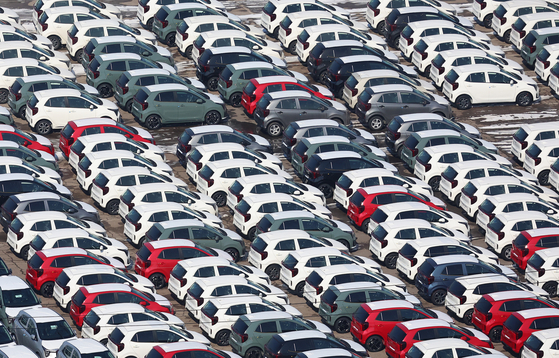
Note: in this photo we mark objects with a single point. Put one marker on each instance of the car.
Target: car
(539, 341)
(102, 320)
(523, 90)
(518, 327)
(526, 23)
(36, 158)
(6, 116)
(511, 10)
(360, 178)
(49, 329)
(540, 270)
(80, 348)
(530, 241)
(390, 236)
(148, 8)
(13, 33)
(528, 133)
(453, 347)
(534, 43)
(178, 348)
(493, 309)
(10, 15)
(81, 32)
(545, 60)
(110, 184)
(373, 321)
(17, 351)
(15, 165)
(16, 297)
(91, 296)
(29, 140)
(378, 105)
(25, 49)
(483, 11)
(44, 109)
(122, 336)
(464, 292)
(279, 343)
(176, 250)
(103, 8)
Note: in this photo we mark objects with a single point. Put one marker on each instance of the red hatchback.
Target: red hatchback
(257, 87)
(81, 127)
(372, 322)
(31, 141)
(88, 297)
(520, 325)
(366, 200)
(183, 349)
(405, 334)
(530, 241)
(493, 309)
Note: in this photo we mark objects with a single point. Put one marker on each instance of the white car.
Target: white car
(298, 265)
(104, 9)
(389, 237)
(203, 154)
(546, 59)
(11, 33)
(25, 49)
(110, 184)
(473, 84)
(189, 29)
(17, 165)
(9, 15)
(81, 348)
(452, 348)
(445, 61)
(111, 142)
(148, 8)
(251, 209)
(141, 218)
(16, 351)
(543, 341)
(73, 278)
(528, 133)
(82, 31)
(505, 227)
(17, 296)
(539, 158)
(506, 14)
(275, 10)
(95, 162)
(215, 177)
(483, 11)
(526, 23)
(53, 109)
(541, 270)
(99, 245)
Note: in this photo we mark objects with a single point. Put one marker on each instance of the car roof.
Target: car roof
(129, 328)
(547, 143)
(379, 305)
(210, 129)
(15, 44)
(291, 214)
(435, 39)
(543, 231)
(405, 223)
(424, 323)
(341, 43)
(447, 259)
(36, 196)
(171, 243)
(202, 261)
(56, 92)
(43, 314)
(181, 346)
(546, 31)
(95, 138)
(120, 56)
(507, 295)
(350, 286)
(226, 301)
(148, 71)
(271, 79)
(338, 154)
(87, 345)
(85, 269)
(284, 234)
(476, 68)
(189, 5)
(67, 9)
(386, 88)
(163, 206)
(96, 22)
(270, 197)
(441, 343)
(119, 171)
(429, 24)
(450, 147)
(118, 308)
(218, 147)
(324, 28)
(336, 269)
(38, 215)
(538, 312)
(223, 33)
(8, 283)
(461, 52)
(267, 315)
(431, 241)
(285, 94)
(546, 334)
(552, 252)
(251, 64)
(315, 251)
(260, 178)
(104, 287)
(327, 352)
(481, 182)
(143, 188)
(370, 190)
(15, 176)
(367, 172)
(419, 117)
(505, 198)
(220, 280)
(403, 206)
(39, 78)
(19, 61)
(167, 87)
(228, 49)
(106, 39)
(517, 3)
(104, 154)
(360, 58)
(368, 74)
(482, 278)
(437, 133)
(475, 164)
(326, 139)
(519, 215)
(539, 16)
(56, 234)
(552, 48)
(315, 123)
(206, 19)
(290, 336)
(308, 14)
(92, 122)
(220, 164)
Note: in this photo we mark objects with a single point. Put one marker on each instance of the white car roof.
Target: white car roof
(291, 214)
(268, 315)
(396, 207)
(368, 74)
(543, 231)
(420, 116)
(210, 129)
(328, 352)
(546, 31)
(178, 223)
(261, 178)
(441, 343)
(349, 286)
(109, 154)
(552, 252)
(507, 295)
(520, 215)
(264, 198)
(308, 14)
(316, 122)
(251, 64)
(171, 243)
(118, 308)
(182, 346)
(155, 207)
(104, 287)
(338, 154)
(15, 45)
(386, 88)
(229, 49)
(120, 56)
(222, 33)
(314, 251)
(538, 312)
(383, 188)
(67, 10)
(340, 43)
(120, 171)
(474, 280)
(545, 334)
(360, 58)
(86, 269)
(43, 314)
(327, 139)
(337, 269)
(542, 126)
(476, 68)
(130, 328)
(92, 122)
(271, 79)
(474, 164)
(424, 323)
(226, 301)
(437, 132)
(206, 19)
(40, 215)
(435, 39)
(542, 144)
(539, 16)
(284, 94)
(38, 78)
(148, 71)
(144, 188)
(506, 198)
(167, 87)
(368, 172)
(284, 234)
(38, 196)
(446, 259)
(56, 92)
(56, 234)
(289, 336)
(379, 305)
(8, 283)
(445, 148)
(414, 9)
(219, 147)
(97, 22)
(105, 39)
(231, 163)
(486, 181)
(87, 345)
(189, 5)
(551, 48)
(430, 24)
(220, 280)
(432, 241)
(204, 261)
(518, 3)
(404, 224)
(461, 51)
(324, 28)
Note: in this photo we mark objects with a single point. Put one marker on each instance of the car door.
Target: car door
(311, 108)
(80, 108)
(167, 107)
(388, 104)
(142, 342)
(503, 88)
(315, 227)
(287, 110)
(20, 330)
(191, 107)
(477, 86)
(205, 237)
(168, 258)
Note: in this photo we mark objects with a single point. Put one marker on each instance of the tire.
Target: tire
(128, 106)
(56, 42)
(43, 127)
(380, 27)
(153, 122)
(235, 99)
(251, 234)
(506, 36)
(105, 90)
(322, 77)
(47, 289)
(340, 93)
(21, 112)
(142, 242)
(158, 280)
(112, 207)
(374, 344)
(4, 93)
(495, 334)
(376, 123)
(365, 225)
(104, 341)
(78, 55)
(427, 72)
(212, 83)
(342, 325)
(438, 297)
(170, 39)
(274, 129)
(24, 252)
(457, 199)
(435, 183)
(524, 99)
(234, 253)
(275, 33)
(327, 190)
(222, 337)
(543, 177)
(345, 243)
(390, 260)
(254, 352)
(300, 288)
(188, 52)
(395, 42)
(273, 271)
(220, 198)
(551, 288)
(149, 24)
(505, 253)
(487, 20)
(292, 48)
(467, 319)
(463, 102)
(212, 117)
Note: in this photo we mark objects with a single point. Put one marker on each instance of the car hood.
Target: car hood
(233, 235)
(62, 189)
(393, 281)
(485, 253)
(161, 300)
(67, 74)
(479, 335)
(43, 41)
(167, 67)
(356, 347)
(370, 264)
(87, 207)
(407, 296)
(292, 311)
(144, 282)
(481, 36)
(109, 104)
(448, 8)
(343, 226)
(436, 201)
(223, 254)
(115, 263)
(313, 189)
(14, 311)
(256, 31)
(299, 76)
(42, 140)
(271, 158)
(278, 62)
(471, 130)
(54, 345)
(200, 338)
(337, 105)
(232, 16)
(259, 139)
(90, 89)
(488, 145)
(465, 22)
(324, 91)
(120, 245)
(148, 35)
(440, 99)
(321, 327)
(172, 319)
(163, 51)
(196, 83)
(341, 11)
(143, 133)
(428, 86)
(496, 50)
(378, 152)
(214, 98)
(508, 272)
(111, 8)
(389, 166)
(443, 316)
(367, 135)
(513, 64)
(408, 70)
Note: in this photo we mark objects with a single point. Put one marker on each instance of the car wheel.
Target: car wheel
(24, 252)
(326, 189)
(342, 325)
(21, 113)
(142, 242)
(112, 207)
(212, 117)
(56, 43)
(4, 93)
(275, 33)
(153, 122)
(376, 123)
(345, 243)
(220, 198)
(158, 280)
(551, 288)
(543, 177)
(435, 183)
(104, 341)
(128, 106)
(170, 40)
(105, 90)
(467, 319)
(78, 55)
(457, 199)
(274, 129)
(427, 72)
(300, 288)
(323, 77)
(463, 102)
(495, 334)
(374, 344)
(235, 99)
(292, 47)
(524, 99)
(254, 352)
(380, 27)
(149, 24)
(390, 260)
(395, 42)
(505, 253)
(47, 289)
(188, 52)
(273, 271)
(365, 225)
(506, 36)
(212, 83)
(340, 93)
(234, 253)
(43, 127)
(438, 297)
(222, 337)
(487, 20)
(251, 234)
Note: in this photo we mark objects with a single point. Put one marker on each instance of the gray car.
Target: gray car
(275, 111)
(15, 295)
(379, 104)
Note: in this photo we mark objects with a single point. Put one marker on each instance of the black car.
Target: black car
(288, 345)
(12, 184)
(214, 60)
(323, 170)
(324, 53)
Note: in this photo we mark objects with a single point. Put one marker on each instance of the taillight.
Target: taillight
(414, 152)
(184, 36)
(541, 272)
(265, 112)
(537, 161)
(137, 226)
(124, 89)
(120, 346)
(228, 83)
(199, 301)
(95, 74)
(410, 41)
(303, 157)
(430, 280)
(294, 271)
(305, 45)
(44, 26)
(523, 144)
(66, 290)
(483, 5)
(522, 33)
(454, 183)
(273, 17)
(96, 330)
(74, 40)
(34, 110)
(376, 12)
(348, 191)
(518, 334)
(164, 23)
(462, 299)
(367, 106)
(427, 167)
(441, 71)
(183, 282)
(244, 337)
(546, 64)
(500, 235)
(532, 49)
(81, 309)
(401, 345)
(319, 290)
(87, 173)
(503, 20)
(16, 95)
(263, 254)
(238, 196)
(423, 55)
(353, 92)
(393, 27)
(146, 8)
(454, 86)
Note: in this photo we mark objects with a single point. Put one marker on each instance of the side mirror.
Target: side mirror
(91, 107)
(442, 220)
(464, 338)
(297, 192)
(33, 337)
(326, 229)
(551, 212)
(182, 340)
(145, 53)
(425, 103)
(103, 247)
(10, 271)
(72, 210)
(406, 185)
(511, 82)
(199, 101)
(29, 159)
(256, 47)
(322, 109)
(42, 58)
(143, 303)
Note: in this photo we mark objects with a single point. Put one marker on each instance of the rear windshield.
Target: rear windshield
(304, 36)
(263, 102)
(421, 46)
(35, 262)
(73, 31)
(38, 243)
(414, 352)
(449, 173)
(10, 205)
(438, 61)
(274, 345)
(379, 216)
(240, 326)
(16, 86)
(407, 32)
(123, 80)
(153, 353)
(62, 279)
(521, 241)
(536, 261)
(289, 132)
(496, 225)
(94, 64)
(134, 216)
(316, 51)
(394, 125)
(300, 148)
(533, 151)
(483, 305)
(500, 11)
(92, 319)
(78, 298)
(391, 18)
(141, 96)
(469, 189)
(314, 279)
(286, 22)
(329, 296)
(269, 8)
(451, 76)
(424, 157)
(543, 55)
(67, 131)
(143, 253)
(161, 15)
(195, 290)
(412, 142)
(116, 336)
(513, 323)
(487, 206)
(85, 163)
(249, 88)
(361, 315)
(101, 180)
(243, 207)
(379, 233)
(357, 198)
(529, 39)
(16, 225)
(128, 196)
(336, 66)
(457, 289)
(77, 147)
(178, 271)
(533, 343)
(397, 334)
(519, 24)
(264, 224)
(426, 268)
(209, 309)
(205, 57)
(408, 251)
(206, 172)
(89, 47)
(344, 182)
(290, 261)
(520, 135)
(351, 82)
(259, 245)
(200, 43)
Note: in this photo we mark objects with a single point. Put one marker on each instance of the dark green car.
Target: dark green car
(6, 116)
(35, 157)
(156, 105)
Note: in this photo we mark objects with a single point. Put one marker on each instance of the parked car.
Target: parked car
(103, 8)
(308, 340)
(545, 60)
(530, 241)
(27, 183)
(16, 297)
(526, 23)
(528, 133)
(540, 341)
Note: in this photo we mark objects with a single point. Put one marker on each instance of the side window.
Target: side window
(273, 88)
(306, 243)
(475, 173)
(453, 270)
(128, 180)
(356, 297)
(287, 104)
(478, 77)
(389, 98)
(222, 291)
(449, 158)
(236, 310)
(289, 224)
(389, 316)
(316, 262)
(311, 225)
(406, 234)
(14, 72)
(165, 97)
(231, 173)
(267, 327)
(95, 32)
(250, 74)
(210, 27)
(268, 208)
(523, 225)
(462, 61)
(292, 8)
(42, 226)
(261, 189)
(445, 46)
(495, 77)
(286, 245)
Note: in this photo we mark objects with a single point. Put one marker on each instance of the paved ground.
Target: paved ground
(496, 123)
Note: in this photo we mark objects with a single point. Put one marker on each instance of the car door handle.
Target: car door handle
(280, 112)
(304, 112)
(380, 106)
(406, 106)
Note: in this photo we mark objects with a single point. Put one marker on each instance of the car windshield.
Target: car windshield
(98, 258)
(129, 29)
(91, 99)
(513, 75)
(33, 168)
(259, 287)
(101, 354)
(49, 331)
(24, 297)
(126, 275)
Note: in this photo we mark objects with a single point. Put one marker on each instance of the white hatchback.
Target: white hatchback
(528, 133)
(148, 8)
(541, 270)
(540, 156)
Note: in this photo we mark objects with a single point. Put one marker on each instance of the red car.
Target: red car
(372, 322)
(257, 87)
(493, 309)
(366, 200)
(31, 141)
(520, 325)
(74, 129)
(182, 349)
(405, 334)
(530, 241)
(88, 297)
(45, 266)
